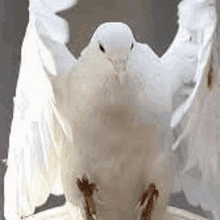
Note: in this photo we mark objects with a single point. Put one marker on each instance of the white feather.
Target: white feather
(200, 172)
(33, 158)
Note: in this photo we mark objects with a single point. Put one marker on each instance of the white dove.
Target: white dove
(121, 134)
(102, 121)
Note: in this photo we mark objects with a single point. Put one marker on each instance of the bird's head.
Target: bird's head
(114, 41)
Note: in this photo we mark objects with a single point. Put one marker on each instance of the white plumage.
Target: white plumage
(107, 115)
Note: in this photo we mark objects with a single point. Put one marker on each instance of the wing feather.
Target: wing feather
(199, 173)
(178, 65)
(192, 57)
(33, 159)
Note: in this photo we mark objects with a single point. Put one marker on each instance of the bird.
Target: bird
(111, 124)
(101, 126)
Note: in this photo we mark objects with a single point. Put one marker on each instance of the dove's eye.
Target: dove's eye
(101, 48)
(132, 45)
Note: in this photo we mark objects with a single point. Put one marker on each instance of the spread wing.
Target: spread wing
(177, 67)
(33, 167)
(191, 59)
(198, 174)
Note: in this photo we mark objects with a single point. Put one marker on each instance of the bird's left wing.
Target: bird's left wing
(187, 54)
(197, 22)
(181, 62)
(194, 48)
(187, 61)
(33, 155)
(199, 176)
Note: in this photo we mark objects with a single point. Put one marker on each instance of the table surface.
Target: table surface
(61, 213)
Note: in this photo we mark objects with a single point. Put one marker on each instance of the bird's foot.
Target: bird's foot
(147, 201)
(87, 189)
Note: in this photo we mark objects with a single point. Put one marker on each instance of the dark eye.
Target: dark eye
(101, 48)
(132, 45)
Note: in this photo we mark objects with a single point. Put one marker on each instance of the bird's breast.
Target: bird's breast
(117, 146)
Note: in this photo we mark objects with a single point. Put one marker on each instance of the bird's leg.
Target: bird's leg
(87, 189)
(151, 193)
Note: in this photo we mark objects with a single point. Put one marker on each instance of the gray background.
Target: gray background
(152, 21)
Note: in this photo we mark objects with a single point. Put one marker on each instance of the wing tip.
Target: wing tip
(196, 15)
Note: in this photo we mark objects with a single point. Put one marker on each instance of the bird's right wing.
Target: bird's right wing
(33, 158)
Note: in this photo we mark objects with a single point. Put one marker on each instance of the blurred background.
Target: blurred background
(152, 21)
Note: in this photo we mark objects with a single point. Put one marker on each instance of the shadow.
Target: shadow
(52, 201)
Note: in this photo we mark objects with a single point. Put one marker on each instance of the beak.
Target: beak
(120, 66)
